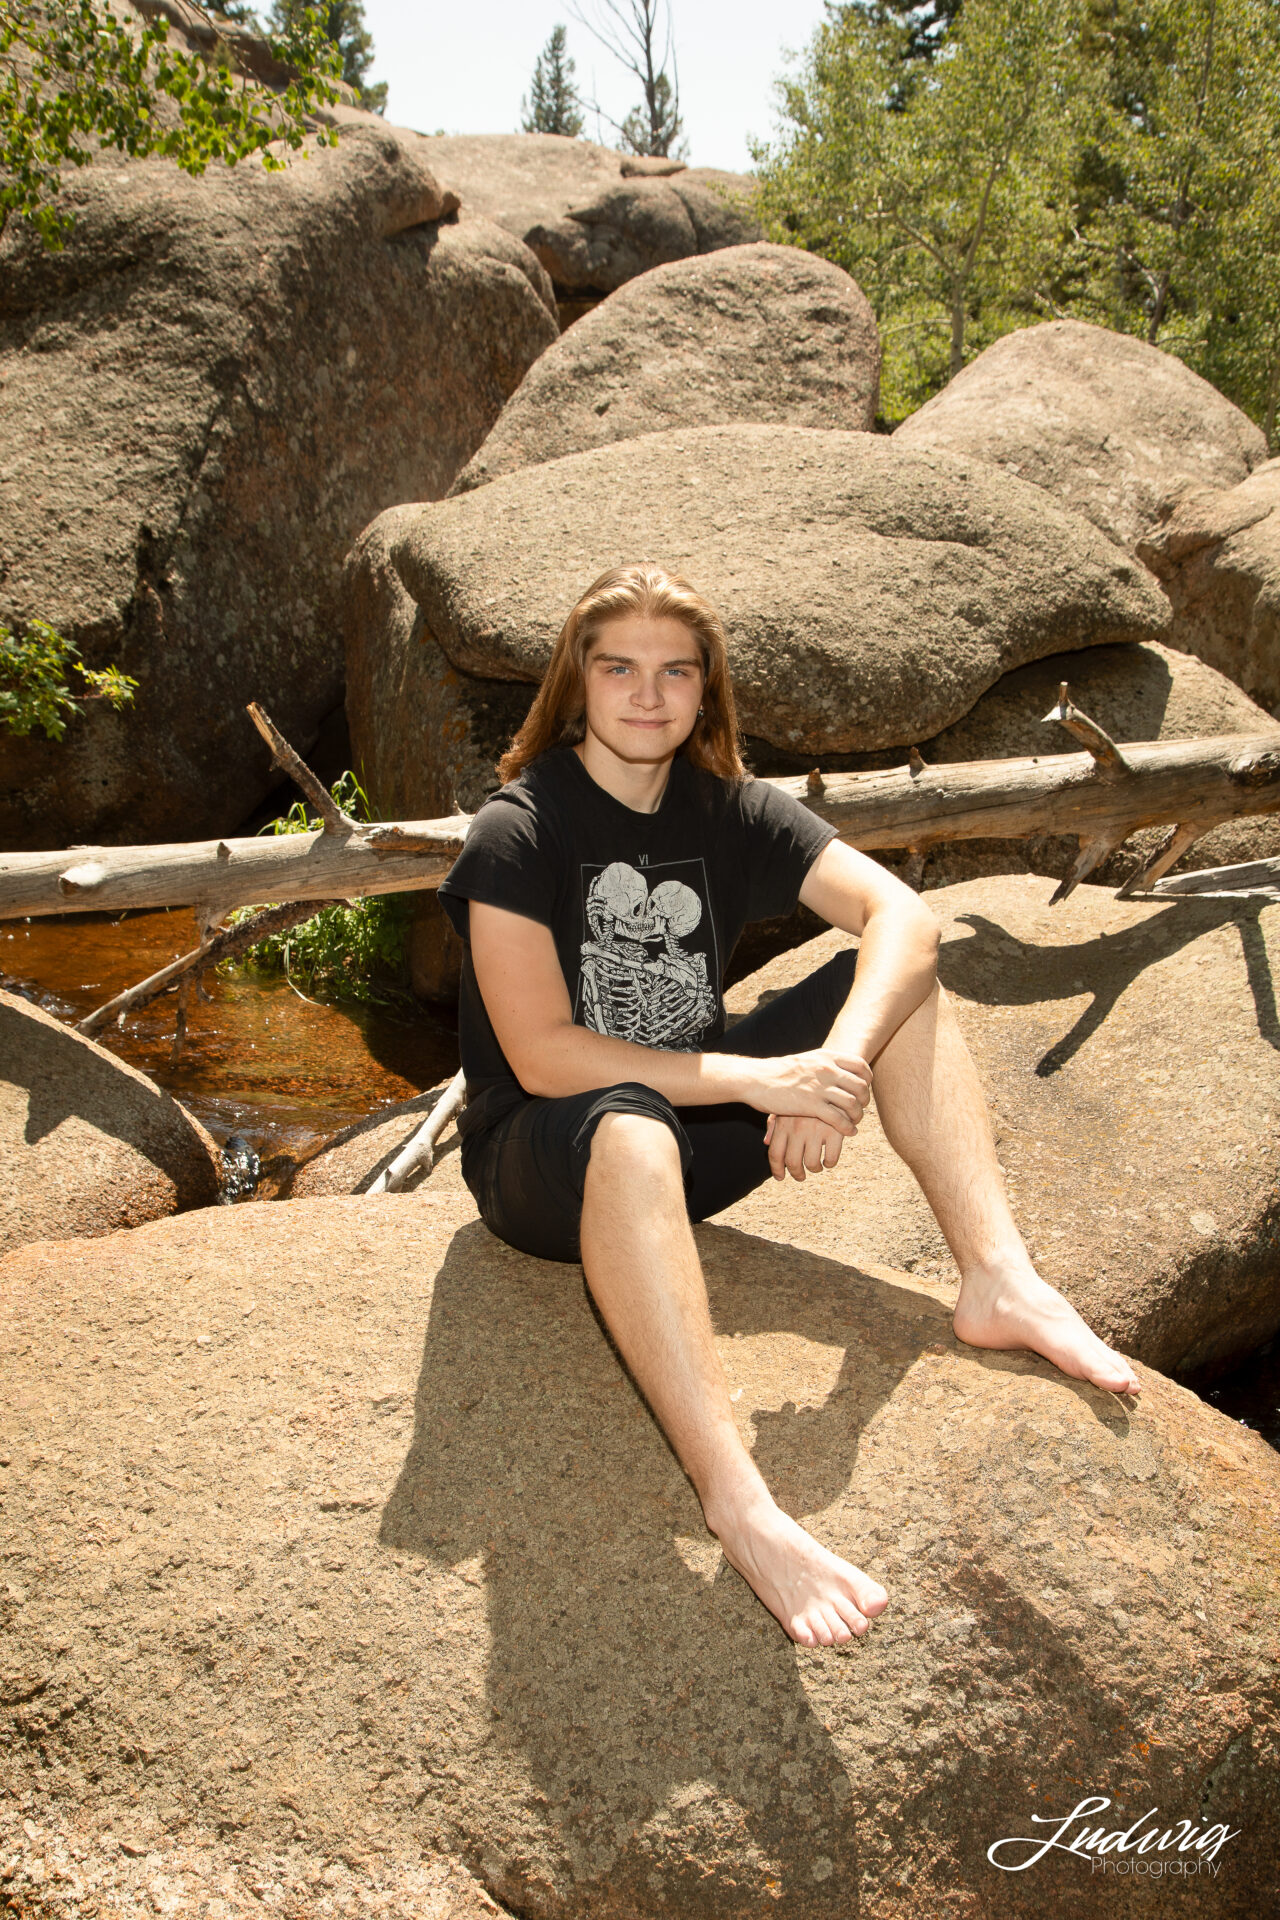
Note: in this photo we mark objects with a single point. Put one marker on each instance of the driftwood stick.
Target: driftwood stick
(1199, 782)
(419, 1150)
(1110, 761)
(1164, 855)
(335, 820)
(224, 946)
(1250, 880)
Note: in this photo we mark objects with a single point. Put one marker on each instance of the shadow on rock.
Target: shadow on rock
(669, 1740)
(1104, 967)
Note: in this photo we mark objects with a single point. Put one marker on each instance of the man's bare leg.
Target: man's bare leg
(643, 1271)
(931, 1106)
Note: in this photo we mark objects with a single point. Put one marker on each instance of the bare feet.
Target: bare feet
(1012, 1307)
(818, 1598)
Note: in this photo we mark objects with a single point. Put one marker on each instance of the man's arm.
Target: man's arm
(897, 971)
(523, 988)
(898, 945)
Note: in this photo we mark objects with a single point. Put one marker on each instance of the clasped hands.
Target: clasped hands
(814, 1102)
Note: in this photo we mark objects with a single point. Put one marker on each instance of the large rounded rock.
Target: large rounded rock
(88, 1144)
(207, 395)
(757, 333)
(1218, 556)
(366, 1551)
(1107, 424)
(871, 595)
(593, 219)
(1129, 1052)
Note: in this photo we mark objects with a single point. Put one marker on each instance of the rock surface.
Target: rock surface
(593, 219)
(871, 596)
(207, 395)
(353, 1159)
(1129, 1053)
(366, 1550)
(1107, 424)
(758, 333)
(88, 1143)
(1218, 558)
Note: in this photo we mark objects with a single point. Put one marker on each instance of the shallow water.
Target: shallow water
(284, 1071)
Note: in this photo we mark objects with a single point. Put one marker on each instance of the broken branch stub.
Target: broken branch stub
(1110, 761)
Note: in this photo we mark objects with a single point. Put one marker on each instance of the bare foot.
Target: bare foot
(1012, 1307)
(818, 1598)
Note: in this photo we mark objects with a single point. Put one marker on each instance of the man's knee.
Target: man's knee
(638, 1144)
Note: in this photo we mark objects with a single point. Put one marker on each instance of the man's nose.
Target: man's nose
(649, 691)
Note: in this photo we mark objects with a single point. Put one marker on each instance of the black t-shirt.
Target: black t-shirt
(644, 908)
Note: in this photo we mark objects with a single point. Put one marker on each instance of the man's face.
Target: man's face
(643, 680)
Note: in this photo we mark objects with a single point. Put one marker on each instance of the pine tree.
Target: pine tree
(342, 22)
(552, 106)
(656, 126)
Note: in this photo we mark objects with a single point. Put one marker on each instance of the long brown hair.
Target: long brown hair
(557, 717)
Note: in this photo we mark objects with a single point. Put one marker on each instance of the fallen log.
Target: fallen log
(1195, 784)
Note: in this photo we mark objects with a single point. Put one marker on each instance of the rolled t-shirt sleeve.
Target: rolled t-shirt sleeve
(504, 863)
(783, 839)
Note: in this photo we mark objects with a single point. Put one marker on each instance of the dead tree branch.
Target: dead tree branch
(419, 1150)
(284, 757)
(223, 946)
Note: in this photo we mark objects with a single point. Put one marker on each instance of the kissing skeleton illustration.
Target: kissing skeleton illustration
(661, 999)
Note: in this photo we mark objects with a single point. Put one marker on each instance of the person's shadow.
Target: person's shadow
(653, 1706)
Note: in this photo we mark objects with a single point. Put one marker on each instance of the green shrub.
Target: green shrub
(358, 952)
(33, 680)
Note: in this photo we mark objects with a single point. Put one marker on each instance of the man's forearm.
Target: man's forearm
(897, 971)
(574, 1059)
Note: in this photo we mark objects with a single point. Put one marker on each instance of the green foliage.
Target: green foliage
(981, 167)
(358, 952)
(941, 184)
(73, 77)
(342, 24)
(33, 681)
(553, 105)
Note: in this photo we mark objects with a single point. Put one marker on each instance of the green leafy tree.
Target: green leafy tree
(553, 105)
(74, 78)
(942, 184)
(342, 22)
(34, 691)
(1179, 242)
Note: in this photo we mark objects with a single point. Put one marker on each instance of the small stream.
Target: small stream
(286, 1072)
(261, 1060)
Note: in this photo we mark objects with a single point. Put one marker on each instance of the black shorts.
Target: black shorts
(528, 1170)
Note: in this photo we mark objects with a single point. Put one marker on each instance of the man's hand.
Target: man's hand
(796, 1142)
(829, 1088)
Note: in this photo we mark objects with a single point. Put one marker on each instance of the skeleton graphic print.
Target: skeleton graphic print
(644, 964)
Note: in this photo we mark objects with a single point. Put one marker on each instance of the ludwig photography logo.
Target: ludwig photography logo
(1178, 1851)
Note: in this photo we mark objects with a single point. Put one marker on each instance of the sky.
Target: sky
(463, 69)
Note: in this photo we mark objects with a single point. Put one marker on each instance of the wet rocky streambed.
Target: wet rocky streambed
(286, 1071)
